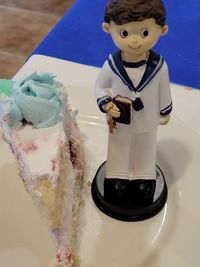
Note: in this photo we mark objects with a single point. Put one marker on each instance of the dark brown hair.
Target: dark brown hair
(125, 11)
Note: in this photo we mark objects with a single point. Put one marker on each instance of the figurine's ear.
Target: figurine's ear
(165, 29)
(106, 27)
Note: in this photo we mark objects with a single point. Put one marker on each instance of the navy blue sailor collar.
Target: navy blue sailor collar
(154, 64)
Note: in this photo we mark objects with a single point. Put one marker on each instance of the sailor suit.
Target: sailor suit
(132, 148)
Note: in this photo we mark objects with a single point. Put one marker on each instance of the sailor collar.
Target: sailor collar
(154, 64)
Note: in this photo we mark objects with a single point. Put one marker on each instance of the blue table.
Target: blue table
(78, 37)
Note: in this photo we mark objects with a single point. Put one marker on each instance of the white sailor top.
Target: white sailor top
(151, 97)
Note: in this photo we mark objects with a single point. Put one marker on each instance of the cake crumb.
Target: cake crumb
(188, 88)
(89, 184)
(82, 203)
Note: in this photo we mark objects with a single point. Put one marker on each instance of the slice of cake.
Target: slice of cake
(44, 137)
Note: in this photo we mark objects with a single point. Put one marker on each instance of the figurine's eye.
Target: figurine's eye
(144, 33)
(123, 33)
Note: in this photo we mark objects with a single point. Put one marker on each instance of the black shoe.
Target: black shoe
(141, 192)
(116, 190)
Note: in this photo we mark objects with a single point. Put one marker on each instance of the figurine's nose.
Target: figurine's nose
(134, 39)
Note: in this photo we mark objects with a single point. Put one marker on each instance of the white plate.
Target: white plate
(169, 239)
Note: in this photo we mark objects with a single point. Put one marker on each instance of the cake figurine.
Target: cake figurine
(43, 134)
(133, 89)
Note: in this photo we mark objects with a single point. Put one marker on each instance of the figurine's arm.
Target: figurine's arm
(165, 96)
(103, 92)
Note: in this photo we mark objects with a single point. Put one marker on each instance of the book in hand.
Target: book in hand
(125, 106)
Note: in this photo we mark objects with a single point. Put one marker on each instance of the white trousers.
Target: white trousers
(131, 155)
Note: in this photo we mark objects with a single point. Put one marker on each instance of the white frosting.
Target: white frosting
(39, 150)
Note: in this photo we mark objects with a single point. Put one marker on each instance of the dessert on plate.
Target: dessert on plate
(44, 137)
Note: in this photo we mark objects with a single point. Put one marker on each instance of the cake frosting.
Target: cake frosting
(44, 137)
(37, 99)
(31, 147)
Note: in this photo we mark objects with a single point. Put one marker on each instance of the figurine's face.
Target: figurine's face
(136, 37)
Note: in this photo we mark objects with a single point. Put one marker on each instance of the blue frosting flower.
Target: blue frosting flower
(36, 99)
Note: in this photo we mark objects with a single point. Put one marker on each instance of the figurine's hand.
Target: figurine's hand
(112, 110)
(164, 120)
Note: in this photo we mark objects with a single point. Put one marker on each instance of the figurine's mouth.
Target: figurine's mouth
(134, 47)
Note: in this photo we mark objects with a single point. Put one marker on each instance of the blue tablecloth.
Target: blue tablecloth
(78, 37)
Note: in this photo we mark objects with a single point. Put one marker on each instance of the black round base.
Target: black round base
(129, 211)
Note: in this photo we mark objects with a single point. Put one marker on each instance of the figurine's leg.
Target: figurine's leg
(143, 155)
(143, 167)
(119, 149)
(117, 168)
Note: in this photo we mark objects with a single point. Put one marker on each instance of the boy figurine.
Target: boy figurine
(129, 186)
